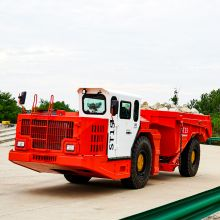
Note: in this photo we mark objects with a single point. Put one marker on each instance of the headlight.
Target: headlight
(20, 144)
(70, 147)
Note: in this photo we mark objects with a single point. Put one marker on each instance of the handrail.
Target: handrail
(51, 103)
(195, 207)
(34, 106)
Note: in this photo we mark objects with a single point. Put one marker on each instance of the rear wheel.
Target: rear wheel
(140, 164)
(190, 159)
(77, 179)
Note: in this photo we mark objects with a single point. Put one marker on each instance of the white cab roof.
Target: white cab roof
(109, 92)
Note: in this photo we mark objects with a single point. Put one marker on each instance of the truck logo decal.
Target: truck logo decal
(112, 135)
(185, 131)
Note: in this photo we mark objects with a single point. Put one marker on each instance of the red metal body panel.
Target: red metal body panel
(171, 126)
(46, 137)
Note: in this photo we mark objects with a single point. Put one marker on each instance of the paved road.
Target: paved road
(25, 194)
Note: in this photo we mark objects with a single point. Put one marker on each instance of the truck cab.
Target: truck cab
(122, 112)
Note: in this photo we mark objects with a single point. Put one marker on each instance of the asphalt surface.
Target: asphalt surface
(25, 194)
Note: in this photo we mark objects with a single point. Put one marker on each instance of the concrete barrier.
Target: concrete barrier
(7, 134)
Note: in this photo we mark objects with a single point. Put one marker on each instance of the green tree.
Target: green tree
(9, 109)
(216, 124)
(59, 105)
(192, 103)
(209, 104)
(175, 98)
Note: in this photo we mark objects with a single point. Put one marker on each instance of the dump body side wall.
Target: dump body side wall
(171, 124)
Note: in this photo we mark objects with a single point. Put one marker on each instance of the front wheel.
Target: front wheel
(141, 158)
(77, 179)
(190, 158)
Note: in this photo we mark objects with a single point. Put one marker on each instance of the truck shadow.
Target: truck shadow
(96, 187)
(166, 176)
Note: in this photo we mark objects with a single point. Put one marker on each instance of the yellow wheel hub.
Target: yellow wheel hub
(140, 162)
(193, 157)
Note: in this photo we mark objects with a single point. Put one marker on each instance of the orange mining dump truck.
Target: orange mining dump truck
(110, 137)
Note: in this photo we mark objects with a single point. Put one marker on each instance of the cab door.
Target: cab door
(127, 127)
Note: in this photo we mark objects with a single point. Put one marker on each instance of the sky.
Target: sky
(145, 47)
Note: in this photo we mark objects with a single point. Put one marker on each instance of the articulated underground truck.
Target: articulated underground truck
(110, 137)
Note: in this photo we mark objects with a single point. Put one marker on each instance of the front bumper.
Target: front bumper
(94, 166)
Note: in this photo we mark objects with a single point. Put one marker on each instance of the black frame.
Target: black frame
(121, 107)
(93, 96)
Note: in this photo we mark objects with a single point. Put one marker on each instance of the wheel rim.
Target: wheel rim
(140, 162)
(193, 157)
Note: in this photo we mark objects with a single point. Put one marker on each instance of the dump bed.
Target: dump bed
(177, 128)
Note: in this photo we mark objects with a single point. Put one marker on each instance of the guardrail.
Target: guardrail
(213, 139)
(195, 207)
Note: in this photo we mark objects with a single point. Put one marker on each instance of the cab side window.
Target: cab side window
(136, 110)
(125, 110)
(114, 106)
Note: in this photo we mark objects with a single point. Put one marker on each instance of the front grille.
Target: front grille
(47, 134)
(25, 127)
(97, 138)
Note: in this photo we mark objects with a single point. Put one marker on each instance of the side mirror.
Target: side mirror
(22, 98)
(114, 107)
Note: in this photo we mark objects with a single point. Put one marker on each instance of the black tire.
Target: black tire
(77, 179)
(189, 167)
(139, 178)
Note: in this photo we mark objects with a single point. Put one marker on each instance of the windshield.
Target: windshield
(94, 104)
